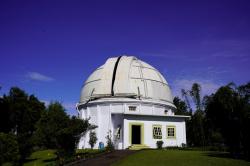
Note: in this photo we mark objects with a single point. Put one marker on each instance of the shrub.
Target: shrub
(110, 144)
(183, 145)
(173, 147)
(92, 139)
(159, 144)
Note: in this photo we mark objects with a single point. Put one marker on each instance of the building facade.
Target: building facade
(131, 101)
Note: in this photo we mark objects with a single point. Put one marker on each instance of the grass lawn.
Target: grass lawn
(89, 151)
(47, 157)
(179, 158)
(41, 158)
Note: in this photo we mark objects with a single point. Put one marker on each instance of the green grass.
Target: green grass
(41, 158)
(47, 157)
(89, 151)
(179, 158)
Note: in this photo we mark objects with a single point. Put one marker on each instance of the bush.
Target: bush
(110, 145)
(92, 139)
(173, 147)
(159, 144)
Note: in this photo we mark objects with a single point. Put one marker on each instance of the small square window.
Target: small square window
(157, 134)
(132, 108)
(171, 132)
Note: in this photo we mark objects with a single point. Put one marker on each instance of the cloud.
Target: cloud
(38, 77)
(207, 86)
(69, 106)
(215, 71)
(175, 55)
(232, 44)
(229, 54)
(227, 48)
(168, 54)
(45, 102)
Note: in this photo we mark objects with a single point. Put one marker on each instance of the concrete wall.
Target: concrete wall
(148, 122)
(109, 116)
(101, 117)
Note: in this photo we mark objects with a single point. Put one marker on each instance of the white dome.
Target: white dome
(127, 77)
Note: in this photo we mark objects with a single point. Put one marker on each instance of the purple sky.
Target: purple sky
(50, 47)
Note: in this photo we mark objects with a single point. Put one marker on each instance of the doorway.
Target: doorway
(136, 134)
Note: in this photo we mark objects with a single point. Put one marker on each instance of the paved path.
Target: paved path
(106, 159)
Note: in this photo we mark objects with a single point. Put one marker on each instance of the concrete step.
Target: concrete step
(138, 147)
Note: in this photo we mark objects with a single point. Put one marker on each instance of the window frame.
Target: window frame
(132, 108)
(156, 125)
(171, 127)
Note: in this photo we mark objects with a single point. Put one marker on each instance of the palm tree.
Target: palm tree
(196, 96)
(185, 95)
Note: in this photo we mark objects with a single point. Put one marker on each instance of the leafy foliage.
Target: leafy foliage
(92, 139)
(221, 119)
(159, 144)
(110, 144)
(57, 130)
(27, 124)
(195, 126)
(227, 112)
(8, 148)
(20, 112)
(181, 106)
(195, 93)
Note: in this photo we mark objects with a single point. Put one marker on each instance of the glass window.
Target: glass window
(170, 131)
(132, 108)
(157, 134)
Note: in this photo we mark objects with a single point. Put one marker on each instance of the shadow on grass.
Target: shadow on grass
(225, 155)
(29, 160)
(49, 160)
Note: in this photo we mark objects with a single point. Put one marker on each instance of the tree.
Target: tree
(51, 122)
(6, 124)
(25, 120)
(92, 139)
(229, 111)
(20, 112)
(185, 95)
(244, 93)
(69, 137)
(57, 130)
(195, 127)
(181, 107)
(195, 93)
(8, 148)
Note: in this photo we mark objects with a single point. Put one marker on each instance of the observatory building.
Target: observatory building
(131, 101)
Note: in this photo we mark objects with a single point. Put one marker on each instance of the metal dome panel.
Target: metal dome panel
(126, 76)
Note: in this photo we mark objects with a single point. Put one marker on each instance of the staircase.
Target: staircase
(138, 147)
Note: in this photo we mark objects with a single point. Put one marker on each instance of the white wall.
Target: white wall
(148, 122)
(108, 116)
(101, 117)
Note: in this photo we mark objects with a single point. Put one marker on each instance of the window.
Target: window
(171, 132)
(118, 132)
(157, 134)
(132, 108)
